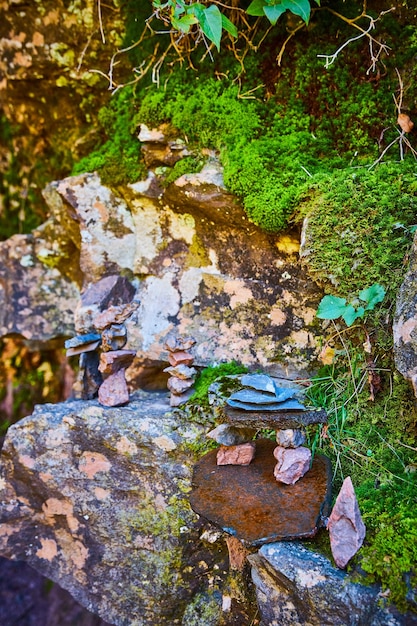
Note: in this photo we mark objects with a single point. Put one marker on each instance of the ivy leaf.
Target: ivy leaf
(256, 8)
(273, 13)
(331, 307)
(229, 26)
(351, 314)
(210, 20)
(184, 23)
(298, 7)
(372, 295)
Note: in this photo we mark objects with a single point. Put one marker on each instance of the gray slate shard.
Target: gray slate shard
(262, 382)
(253, 397)
(80, 340)
(288, 405)
(284, 393)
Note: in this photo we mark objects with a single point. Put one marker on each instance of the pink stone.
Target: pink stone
(292, 464)
(175, 358)
(114, 315)
(181, 399)
(178, 385)
(175, 344)
(241, 454)
(113, 391)
(345, 525)
(111, 362)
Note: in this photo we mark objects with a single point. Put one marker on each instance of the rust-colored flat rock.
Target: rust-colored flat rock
(247, 501)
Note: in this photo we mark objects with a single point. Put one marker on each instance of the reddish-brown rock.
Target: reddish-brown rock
(345, 525)
(113, 391)
(175, 358)
(112, 362)
(292, 464)
(241, 454)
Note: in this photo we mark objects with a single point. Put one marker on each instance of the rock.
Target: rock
(405, 322)
(292, 464)
(93, 498)
(178, 400)
(295, 586)
(248, 503)
(261, 382)
(241, 454)
(290, 437)
(179, 385)
(345, 525)
(89, 378)
(181, 371)
(271, 419)
(112, 362)
(113, 338)
(154, 135)
(230, 436)
(82, 343)
(180, 358)
(113, 391)
(36, 301)
(114, 315)
(179, 344)
(288, 405)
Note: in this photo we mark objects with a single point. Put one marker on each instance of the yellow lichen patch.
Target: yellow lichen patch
(239, 292)
(54, 506)
(48, 549)
(125, 446)
(277, 316)
(182, 227)
(93, 462)
(288, 245)
(51, 18)
(102, 210)
(22, 60)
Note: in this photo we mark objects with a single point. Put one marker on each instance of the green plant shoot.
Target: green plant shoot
(333, 307)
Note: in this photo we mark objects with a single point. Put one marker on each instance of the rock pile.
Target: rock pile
(182, 374)
(100, 317)
(267, 403)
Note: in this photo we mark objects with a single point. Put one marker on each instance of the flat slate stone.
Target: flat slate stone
(247, 501)
(277, 420)
(274, 405)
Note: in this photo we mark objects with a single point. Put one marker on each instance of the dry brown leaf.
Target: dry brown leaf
(405, 122)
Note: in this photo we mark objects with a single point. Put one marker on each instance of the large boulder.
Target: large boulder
(95, 499)
(198, 266)
(297, 586)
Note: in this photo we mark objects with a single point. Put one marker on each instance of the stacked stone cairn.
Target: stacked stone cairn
(182, 374)
(264, 403)
(104, 308)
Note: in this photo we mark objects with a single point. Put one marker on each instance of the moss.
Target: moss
(359, 227)
(187, 165)
(210, 375)
(118, 159)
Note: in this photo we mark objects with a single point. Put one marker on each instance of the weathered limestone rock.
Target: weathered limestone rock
(405, 323)
(229, 436)
(238, 291)
(93, 498)
(290, 437)
(345, 525)
(36, 301)
(299, 587)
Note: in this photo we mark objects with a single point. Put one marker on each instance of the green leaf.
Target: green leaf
(256, 8)
(184, 24)
(273, 13)
(351, 314)
(331, 307)
(372, 295)
(298, 7)
(229, 26)
(210, 20)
